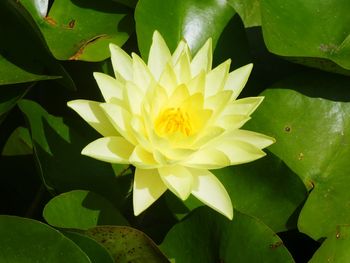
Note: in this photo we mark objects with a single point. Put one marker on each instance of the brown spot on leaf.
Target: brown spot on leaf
(300, 156)
(287, 129)
(276, 244)
(77, 55)
(50, 20)
(71, 24)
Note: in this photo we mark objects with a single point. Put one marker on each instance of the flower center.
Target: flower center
(173, 120)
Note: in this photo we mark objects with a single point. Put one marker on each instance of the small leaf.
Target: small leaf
(82, 210)
(127, 245)
(19, 143)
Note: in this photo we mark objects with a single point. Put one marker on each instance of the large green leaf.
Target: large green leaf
(194, 20)
(308, 29)
(82, 210)
(206, 236)
(82, 29)
(26, 240)
(335, 248)
(126, 244)
(313, 140)
(248, 10)
(57, 147)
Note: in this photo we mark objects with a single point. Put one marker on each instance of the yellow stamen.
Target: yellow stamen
(173, 120)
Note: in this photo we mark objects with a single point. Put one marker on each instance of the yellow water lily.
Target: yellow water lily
(174, 119)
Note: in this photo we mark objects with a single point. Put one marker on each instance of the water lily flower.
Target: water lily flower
(174, 119)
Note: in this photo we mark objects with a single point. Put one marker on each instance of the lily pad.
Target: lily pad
(294, 28)
(193, 20)
(335, 248)
(312, 135)
(82, 210)
(127, 245)
(206, 236)
(82, 29)
(27, 240)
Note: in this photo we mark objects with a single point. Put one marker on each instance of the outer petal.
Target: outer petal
(257, 139)
(182, 69)
(120, 119)
(216, 78)
(178, 179)
(208, 189)
(142, 77)
(159, 55)
(148, 187)
(244, 106)
(182, 48)
(142, 158)
(110, 87)
(109, 149)
(237, 79)
(121, 62)
(208, 158)
(237, 151)
(203, 59)
(92, 113)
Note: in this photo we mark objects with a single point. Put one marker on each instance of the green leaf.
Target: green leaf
(94, 250)
(27, 240)
(193, 20)
(266, 189)
(335, 248)
(305, 34)
(9, 95)
(206, 236)
(82, 210)
(312, 137)
(82, 30)
(19, 143)
(248, 10)
(57, 146)
(126, 244)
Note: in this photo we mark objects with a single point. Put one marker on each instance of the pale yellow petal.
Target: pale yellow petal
(208, 158)
(92, 113)
(120, 119)
(216, 78)
(257, 139)
(109, 87)
(159, 55)
(237, 151)
(208, 189)
(197, 84)
(142, 77)
(182, 69)
(237, 79)
(168, 79)
(232, 122)
(218, 102)
(203, 59)
(134, 96)
(148, 187)
(178, 179)
(109, 149)
(121, 62)
(142, 159)
(182, 48)
(245, 106)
